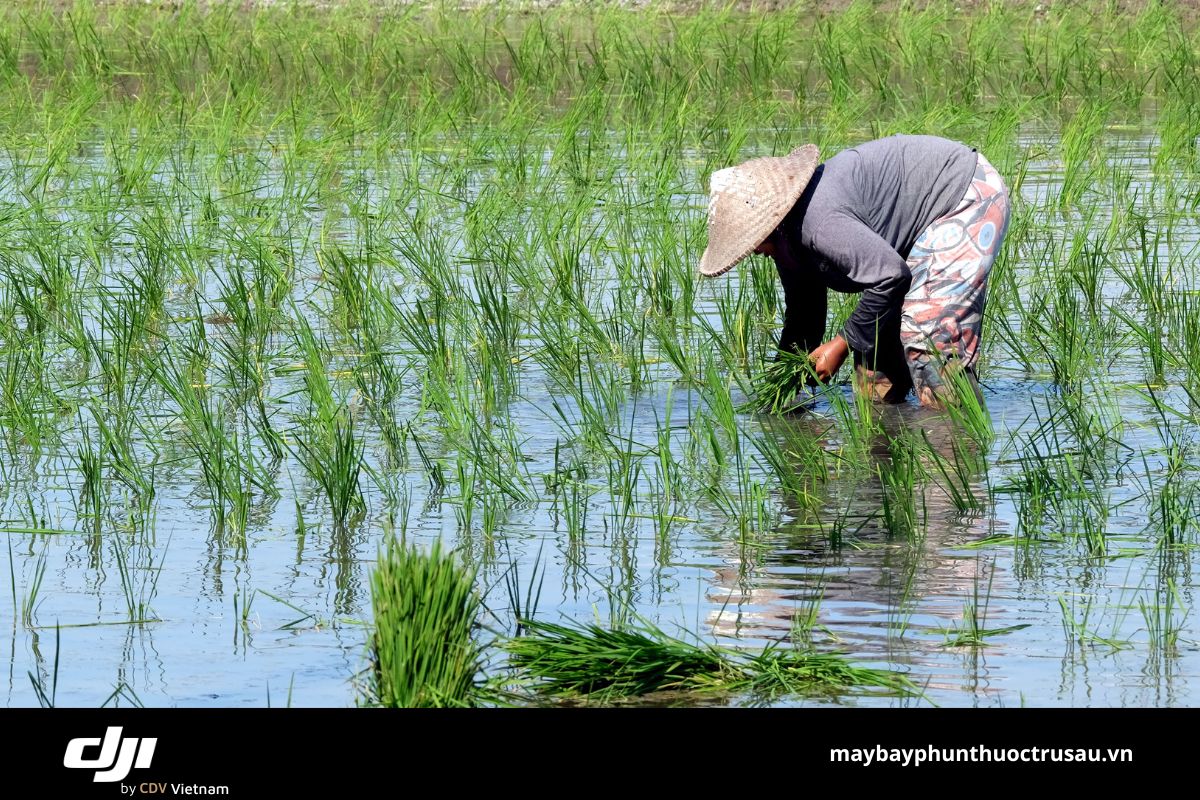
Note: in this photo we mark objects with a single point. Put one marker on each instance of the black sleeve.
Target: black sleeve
(876, 312)
(804, 312)
(866, 259)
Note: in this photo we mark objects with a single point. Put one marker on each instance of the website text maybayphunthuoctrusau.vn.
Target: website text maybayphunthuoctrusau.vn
(916, 756)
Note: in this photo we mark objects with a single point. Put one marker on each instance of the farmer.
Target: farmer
(912, 222)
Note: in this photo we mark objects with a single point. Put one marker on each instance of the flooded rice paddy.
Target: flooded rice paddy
(240, 354)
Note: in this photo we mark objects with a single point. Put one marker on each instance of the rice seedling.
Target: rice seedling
(1080, 140)
(1077, 629)
(957, 473)
(596, 664)
(139, 582)
(92, 490)
(899, 476)
(973, 632)
(328, 449)
(33, 597)
(1163, 619)
(229, 470)
(783, 386)
(47, 696)
(422, 650)
(965, 405)
(777, 672)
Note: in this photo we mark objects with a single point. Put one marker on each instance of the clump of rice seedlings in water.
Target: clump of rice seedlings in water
(591, 662)
(791, 479)
(963, 403)
(1163, 619)
(333, 457)
(899, 476)
(422, 652)
(575, 661)
(230, 470)
(783, 386)
(328, 448)
(91, 489)
(1079, 142)
(957, 471)
(778, 671)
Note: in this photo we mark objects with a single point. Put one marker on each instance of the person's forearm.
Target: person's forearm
(829, 357)
(876, 309)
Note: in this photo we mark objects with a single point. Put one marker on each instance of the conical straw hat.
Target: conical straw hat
(749, 201)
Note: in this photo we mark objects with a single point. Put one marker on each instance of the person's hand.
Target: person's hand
(828, 358)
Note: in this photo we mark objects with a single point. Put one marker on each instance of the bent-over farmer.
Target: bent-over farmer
(914, 223)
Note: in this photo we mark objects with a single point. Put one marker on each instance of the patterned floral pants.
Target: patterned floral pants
(942, 316)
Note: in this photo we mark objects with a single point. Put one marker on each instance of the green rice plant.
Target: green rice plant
(609, 663)
(1177, 122)
(1079, 143)
(668, 475)
(139, 583)
(965, 405)
(1150, 337)
(118, 454)
(596, 664)
(333, 457)
(900, 476)
(422, 652)
(33, 591)
(252, 308)
(777, 672)
(1033, 484)
(352, 280)
(25, 396)
(624, 468)
(808, 614)
(782, 387)
(973, 632)
(859, 428)
(1171, 498)
(47, 697)
(738, 327)
(794, 482)
(1077, 629)
(92, 487)
(1057, 326)
(46, 293)
(1092, 418)
(1163, 619)
(327, 447)
(839, 533)
(524, 605)
(231, 472)
(465, 509)
(957, 472)
(575, 511)
(1150, 281)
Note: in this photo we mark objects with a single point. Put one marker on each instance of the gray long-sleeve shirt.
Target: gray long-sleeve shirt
(853, 228)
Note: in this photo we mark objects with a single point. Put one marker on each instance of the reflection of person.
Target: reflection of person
(857, 585)
(912, 222)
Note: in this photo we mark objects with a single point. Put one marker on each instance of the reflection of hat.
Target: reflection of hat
(749, 201)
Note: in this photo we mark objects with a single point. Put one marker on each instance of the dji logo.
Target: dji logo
(116, 755)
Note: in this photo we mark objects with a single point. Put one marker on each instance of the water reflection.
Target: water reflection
(835, 567)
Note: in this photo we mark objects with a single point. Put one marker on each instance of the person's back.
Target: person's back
(895, 186)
